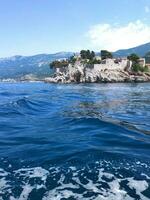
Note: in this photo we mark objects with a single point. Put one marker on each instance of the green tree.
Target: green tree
(72, 59)
(57, 63)
(136, 67)
(87, 54)
(94, 61)
(134, 58)
(106, 54)
(83, 54)
(92, 56)
(135, 62)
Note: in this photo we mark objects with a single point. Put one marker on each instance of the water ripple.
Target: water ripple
(86, 141)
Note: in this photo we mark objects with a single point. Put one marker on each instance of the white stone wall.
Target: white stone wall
(110, 64)
(142, 62)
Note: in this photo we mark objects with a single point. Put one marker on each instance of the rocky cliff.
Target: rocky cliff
(81, 73)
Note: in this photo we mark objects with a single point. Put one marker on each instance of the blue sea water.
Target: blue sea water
(84, 142)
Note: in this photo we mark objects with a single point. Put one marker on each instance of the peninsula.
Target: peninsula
(88, 67)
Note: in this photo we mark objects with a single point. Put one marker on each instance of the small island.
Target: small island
(89, 67)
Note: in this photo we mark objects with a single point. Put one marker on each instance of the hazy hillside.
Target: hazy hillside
(38, 65)
(140, 50)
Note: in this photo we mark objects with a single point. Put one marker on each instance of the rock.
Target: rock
(80, 73)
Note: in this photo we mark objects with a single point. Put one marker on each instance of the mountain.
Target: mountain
(20, 66)
(140, 50)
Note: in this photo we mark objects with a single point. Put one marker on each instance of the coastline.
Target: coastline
(54, 81)
(109, 76)
(77, 77)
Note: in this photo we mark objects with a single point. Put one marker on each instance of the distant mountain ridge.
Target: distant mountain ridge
(37, 65)
(140, 50)
(17, 67)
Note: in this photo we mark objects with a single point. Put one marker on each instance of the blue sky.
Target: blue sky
(29, 27)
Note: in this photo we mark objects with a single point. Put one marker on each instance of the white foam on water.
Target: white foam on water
(139, 187)
(147, 177)
(74, 182)
(4, 184)
(3, 172)
(113, 193)
(28, 173)
(37, 172)
(73, 168)
(27, 189)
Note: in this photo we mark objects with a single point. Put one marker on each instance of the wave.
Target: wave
(74, 142)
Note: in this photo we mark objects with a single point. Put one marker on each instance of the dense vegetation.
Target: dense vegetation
(89, 57)
(57, 63)
(87, 54)
(106, 54)
(134, 58)
(136, 67)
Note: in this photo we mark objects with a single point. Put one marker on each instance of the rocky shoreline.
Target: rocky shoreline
(81, 74)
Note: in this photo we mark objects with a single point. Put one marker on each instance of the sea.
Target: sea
(74, 141)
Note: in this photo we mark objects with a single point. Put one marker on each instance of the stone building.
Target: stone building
(142, 62)
(113, 64)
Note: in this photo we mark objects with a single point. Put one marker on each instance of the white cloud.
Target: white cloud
(114, 37)
(147, 9)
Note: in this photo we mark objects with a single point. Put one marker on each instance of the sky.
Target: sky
(29, 27)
